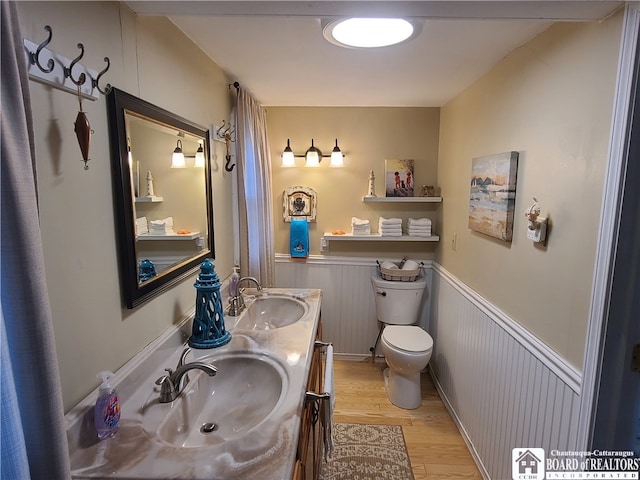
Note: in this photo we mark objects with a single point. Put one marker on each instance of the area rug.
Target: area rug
(367, 452)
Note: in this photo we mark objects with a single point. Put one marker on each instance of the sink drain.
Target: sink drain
(208, 427)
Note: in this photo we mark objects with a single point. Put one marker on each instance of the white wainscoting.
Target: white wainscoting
(348, 305)
(504, 387)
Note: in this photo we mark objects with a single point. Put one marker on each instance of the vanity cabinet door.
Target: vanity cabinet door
(310, 442)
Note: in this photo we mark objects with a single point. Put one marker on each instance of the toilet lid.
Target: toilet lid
(408, 337)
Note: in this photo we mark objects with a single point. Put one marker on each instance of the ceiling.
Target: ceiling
(277, 52)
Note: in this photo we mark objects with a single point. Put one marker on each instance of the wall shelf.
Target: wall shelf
(402, 199)
(376, 237)
(176, 236)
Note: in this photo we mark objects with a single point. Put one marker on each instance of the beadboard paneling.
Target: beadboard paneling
(504, 387)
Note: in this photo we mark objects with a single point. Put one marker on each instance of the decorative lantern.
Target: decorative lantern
(208, 325)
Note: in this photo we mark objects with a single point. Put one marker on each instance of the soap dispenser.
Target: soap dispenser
(106, 415)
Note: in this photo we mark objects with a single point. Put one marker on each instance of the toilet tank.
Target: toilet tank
(398, 303)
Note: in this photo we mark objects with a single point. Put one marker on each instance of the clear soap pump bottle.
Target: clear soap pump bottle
(106, 415)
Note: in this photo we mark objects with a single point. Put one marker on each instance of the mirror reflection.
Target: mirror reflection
(170, 207)
(162, 194)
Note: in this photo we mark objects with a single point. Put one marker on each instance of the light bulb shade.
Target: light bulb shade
(177, 159)
(337, 159)
(288, 158)
(199, 161)
(312, 156)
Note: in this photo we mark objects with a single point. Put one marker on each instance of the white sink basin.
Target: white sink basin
(272, 311)
(245, 392)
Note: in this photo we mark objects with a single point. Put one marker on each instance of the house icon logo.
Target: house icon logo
(527, 463)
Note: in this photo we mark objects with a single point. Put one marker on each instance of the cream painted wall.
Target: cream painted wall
(151, 59)
(551, 100)
(367, 136)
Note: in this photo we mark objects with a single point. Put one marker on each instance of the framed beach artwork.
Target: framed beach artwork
(399, 178)
(493, 194)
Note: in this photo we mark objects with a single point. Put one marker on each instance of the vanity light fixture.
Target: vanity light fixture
(369, 32)
(313, 156)
(199, 161)
(177, 159)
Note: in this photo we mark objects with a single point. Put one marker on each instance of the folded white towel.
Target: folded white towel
(419, 234)
(328, 405)
(418, 221)
(419, 229)
(389, 221)
(391, 234)
(359, 221)
(390, 229)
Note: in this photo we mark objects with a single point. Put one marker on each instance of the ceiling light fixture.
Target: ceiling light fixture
(369, 32)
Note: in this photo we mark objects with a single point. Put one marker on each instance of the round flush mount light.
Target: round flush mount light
(369, 32)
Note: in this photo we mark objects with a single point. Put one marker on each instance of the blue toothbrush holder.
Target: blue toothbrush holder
(208, 329)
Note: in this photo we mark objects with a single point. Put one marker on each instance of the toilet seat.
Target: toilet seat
(408, 338)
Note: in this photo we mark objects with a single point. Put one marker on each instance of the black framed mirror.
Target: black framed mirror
(163, 209)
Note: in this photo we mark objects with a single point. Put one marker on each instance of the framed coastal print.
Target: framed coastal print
(493, 194)
(399, 178)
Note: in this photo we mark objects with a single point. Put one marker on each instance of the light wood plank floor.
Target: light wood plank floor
(436, 448)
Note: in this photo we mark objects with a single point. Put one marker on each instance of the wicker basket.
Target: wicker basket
(398, 275)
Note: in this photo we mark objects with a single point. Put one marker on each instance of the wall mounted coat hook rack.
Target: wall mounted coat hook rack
(61, 72)
(227, 134)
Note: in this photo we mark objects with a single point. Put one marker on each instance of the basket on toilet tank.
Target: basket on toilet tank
(397, 273)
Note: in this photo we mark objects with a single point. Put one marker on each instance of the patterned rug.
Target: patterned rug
(367, 452)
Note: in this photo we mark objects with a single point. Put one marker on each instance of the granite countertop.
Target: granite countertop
(267, 452)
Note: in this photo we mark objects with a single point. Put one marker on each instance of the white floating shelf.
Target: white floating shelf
(148, 199)
(402, 199)
(186, 236)
(376, 237)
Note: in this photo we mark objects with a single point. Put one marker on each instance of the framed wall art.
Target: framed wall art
(493, 194)
(399, 178)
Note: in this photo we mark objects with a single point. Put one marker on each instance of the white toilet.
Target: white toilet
(406, 347)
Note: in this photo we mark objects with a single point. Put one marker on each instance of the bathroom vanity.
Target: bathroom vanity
(250, 420)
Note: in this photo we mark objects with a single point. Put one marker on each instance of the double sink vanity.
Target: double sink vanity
(247, 421)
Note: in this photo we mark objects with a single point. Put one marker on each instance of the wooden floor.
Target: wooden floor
(436, 448)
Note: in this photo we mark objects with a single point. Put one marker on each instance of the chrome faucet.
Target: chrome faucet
(236, 304)
(171, 384)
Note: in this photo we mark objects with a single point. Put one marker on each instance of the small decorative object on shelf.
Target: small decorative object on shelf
(146, 270)
(150, 192)
(208, 329)
(372, 187)
(428, 191)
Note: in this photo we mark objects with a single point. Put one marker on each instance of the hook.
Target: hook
(68, 71)
(35, 57)
(95, 82)
(223, 130)
(226, 165)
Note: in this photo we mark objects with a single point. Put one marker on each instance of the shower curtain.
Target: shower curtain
(33, 439)
(254, 190)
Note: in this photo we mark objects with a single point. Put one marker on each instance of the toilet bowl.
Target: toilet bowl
(406, 347)
(407, 351)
